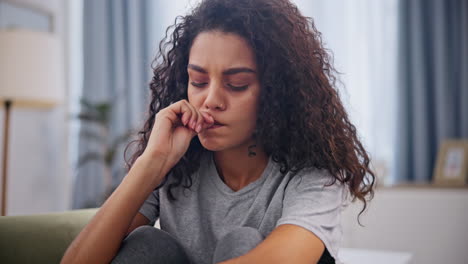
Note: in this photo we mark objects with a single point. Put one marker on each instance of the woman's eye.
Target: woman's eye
(232, 87)
(197, 84)
(238, 88)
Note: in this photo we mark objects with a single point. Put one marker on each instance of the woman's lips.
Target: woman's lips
(216, 124)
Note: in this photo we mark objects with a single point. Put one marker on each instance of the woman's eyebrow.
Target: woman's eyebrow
(196, 68)
(230, 71)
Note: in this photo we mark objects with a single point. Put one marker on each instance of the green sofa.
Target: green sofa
(41, 238)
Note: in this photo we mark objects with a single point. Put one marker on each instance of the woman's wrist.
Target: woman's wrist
(154, 165)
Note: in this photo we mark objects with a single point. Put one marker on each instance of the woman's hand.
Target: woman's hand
(173, 129)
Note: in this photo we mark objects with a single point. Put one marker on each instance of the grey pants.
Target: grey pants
(147, 244)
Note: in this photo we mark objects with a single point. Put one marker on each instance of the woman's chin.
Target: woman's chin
(210, 144)
(212, 147)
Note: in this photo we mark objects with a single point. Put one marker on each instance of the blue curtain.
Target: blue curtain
(433, 74)
(116, 58)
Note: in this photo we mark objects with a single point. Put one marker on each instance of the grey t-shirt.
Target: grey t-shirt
(208, 210)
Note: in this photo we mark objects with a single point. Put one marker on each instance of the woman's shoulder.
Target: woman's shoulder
(311, 175)
(314, 180)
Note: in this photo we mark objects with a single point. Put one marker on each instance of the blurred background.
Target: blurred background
(75, 74)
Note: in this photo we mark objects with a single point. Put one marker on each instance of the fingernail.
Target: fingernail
(205, 116)
(198, 128)
(192, 125)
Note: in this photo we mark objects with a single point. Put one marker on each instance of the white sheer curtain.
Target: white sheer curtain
(75, 75)
(115, 70)
(362, 35)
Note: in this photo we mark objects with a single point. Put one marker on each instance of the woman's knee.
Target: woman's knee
(147, 244)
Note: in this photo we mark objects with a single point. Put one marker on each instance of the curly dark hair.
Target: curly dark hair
(301, 120)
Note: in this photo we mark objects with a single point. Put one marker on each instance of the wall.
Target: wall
(38, 170)
(429, 222)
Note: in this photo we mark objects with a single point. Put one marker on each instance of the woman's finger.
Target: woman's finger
(182, 113)
(197, 118)
(208, 118)
(208, 121)
(186, 117)
(200, 122)
(194, 115)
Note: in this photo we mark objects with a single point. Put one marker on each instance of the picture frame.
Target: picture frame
(452, 163)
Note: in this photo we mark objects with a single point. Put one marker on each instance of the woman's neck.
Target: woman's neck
(237, 168)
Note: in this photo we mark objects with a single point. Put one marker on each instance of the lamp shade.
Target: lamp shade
(31, 70)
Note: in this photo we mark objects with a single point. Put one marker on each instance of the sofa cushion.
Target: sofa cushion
(41, 238)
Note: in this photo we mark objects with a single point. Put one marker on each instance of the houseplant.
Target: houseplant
(100, 114)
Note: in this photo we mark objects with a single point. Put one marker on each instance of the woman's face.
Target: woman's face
(223, 82)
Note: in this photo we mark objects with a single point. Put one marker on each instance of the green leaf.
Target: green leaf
(121, 139)
(92, 135)
(90, 156)
(109, 157)
(86, 104)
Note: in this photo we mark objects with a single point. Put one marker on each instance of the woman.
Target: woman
(247, 155)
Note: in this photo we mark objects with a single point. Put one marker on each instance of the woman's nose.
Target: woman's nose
(215, 99)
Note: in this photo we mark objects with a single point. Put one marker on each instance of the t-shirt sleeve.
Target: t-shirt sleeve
(310, 204)
(150, 207)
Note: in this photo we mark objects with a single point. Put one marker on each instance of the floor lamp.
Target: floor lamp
(31, 75)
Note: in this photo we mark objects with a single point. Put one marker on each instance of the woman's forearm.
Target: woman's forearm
(100, 240)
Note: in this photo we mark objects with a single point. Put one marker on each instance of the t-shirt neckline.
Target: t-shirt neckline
(213, 174)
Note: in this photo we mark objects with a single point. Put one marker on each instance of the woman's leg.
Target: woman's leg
(147, 244)
(236, 243)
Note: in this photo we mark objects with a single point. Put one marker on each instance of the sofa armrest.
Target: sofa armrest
(41, 238)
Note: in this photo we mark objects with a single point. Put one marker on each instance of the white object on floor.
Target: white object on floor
(370, 256)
